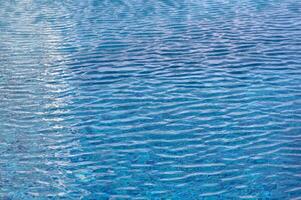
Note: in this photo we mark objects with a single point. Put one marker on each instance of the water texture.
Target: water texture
(150, 99)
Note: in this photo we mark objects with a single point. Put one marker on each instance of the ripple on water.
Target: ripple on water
(150, 99)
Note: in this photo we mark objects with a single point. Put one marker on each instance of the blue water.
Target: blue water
(150, 99)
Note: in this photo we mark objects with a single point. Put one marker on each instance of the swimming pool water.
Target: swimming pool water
(150, 99)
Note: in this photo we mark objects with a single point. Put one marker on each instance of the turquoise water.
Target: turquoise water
(150, 99)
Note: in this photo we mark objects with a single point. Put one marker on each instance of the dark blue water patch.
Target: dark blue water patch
(150, 99)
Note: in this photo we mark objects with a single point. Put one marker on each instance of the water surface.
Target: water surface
(150, 99)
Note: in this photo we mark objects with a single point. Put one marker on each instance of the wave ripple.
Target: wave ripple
(145, 99)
